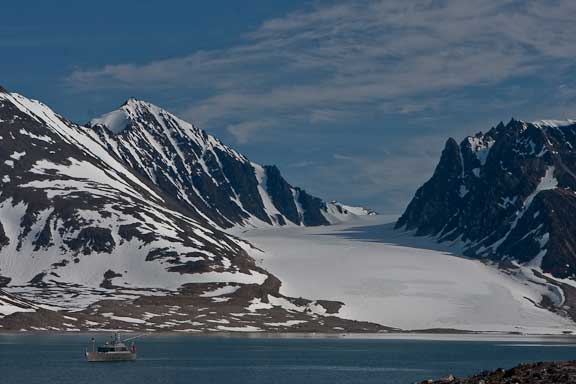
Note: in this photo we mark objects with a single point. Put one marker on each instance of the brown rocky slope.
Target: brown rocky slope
(533, 373)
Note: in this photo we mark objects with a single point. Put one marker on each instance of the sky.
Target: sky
(352, 100)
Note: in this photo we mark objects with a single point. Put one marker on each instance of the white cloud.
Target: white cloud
(245, 130)
(337, 57)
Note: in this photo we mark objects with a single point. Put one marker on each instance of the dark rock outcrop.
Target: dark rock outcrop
(535, 373)
(281, 194)
(93, 239)
(508, 194)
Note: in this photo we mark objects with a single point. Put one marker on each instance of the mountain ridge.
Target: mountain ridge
(507, 194)
(204, 174)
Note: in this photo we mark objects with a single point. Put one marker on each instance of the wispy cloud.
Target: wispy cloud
(243, 131)
(358, 53)
(341, 63)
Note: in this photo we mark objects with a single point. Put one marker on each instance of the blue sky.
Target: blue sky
(352, 100)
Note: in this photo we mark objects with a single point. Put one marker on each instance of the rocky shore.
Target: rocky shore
(534, 373)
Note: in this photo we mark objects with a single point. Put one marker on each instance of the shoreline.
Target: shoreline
(416, 336)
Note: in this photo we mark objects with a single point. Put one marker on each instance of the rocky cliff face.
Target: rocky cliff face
(507, 195)
(202, 174)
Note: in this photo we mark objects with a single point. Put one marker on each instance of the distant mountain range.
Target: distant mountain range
(133, 203)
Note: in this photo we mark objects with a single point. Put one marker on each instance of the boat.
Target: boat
(113, 350)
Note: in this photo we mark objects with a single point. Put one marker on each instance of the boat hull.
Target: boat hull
(97, 357)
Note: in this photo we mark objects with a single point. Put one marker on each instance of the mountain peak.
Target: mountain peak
(130, 101)
(120, 119)
(116, 121)
(133, 101)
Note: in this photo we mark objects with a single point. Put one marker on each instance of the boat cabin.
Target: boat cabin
(113, 348)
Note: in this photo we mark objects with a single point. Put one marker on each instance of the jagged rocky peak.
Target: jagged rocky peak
(137, 114)
(505, 194)
(204, 175)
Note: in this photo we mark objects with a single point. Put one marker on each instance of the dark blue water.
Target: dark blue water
(172, 359)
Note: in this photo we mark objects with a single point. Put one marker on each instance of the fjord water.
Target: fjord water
(216, 360)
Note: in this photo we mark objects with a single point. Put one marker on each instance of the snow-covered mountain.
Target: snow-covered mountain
(207, 177)
(79, 214)
(508, 195)
(107, 227)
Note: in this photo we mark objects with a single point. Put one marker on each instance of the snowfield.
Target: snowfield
(395, 279)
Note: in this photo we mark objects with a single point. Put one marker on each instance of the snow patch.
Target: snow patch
(288, 323)
(246, 328)
(481, 147)
(226, 290)
(17, 155)
(124, 318)
(115, 121)
(47, 139)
